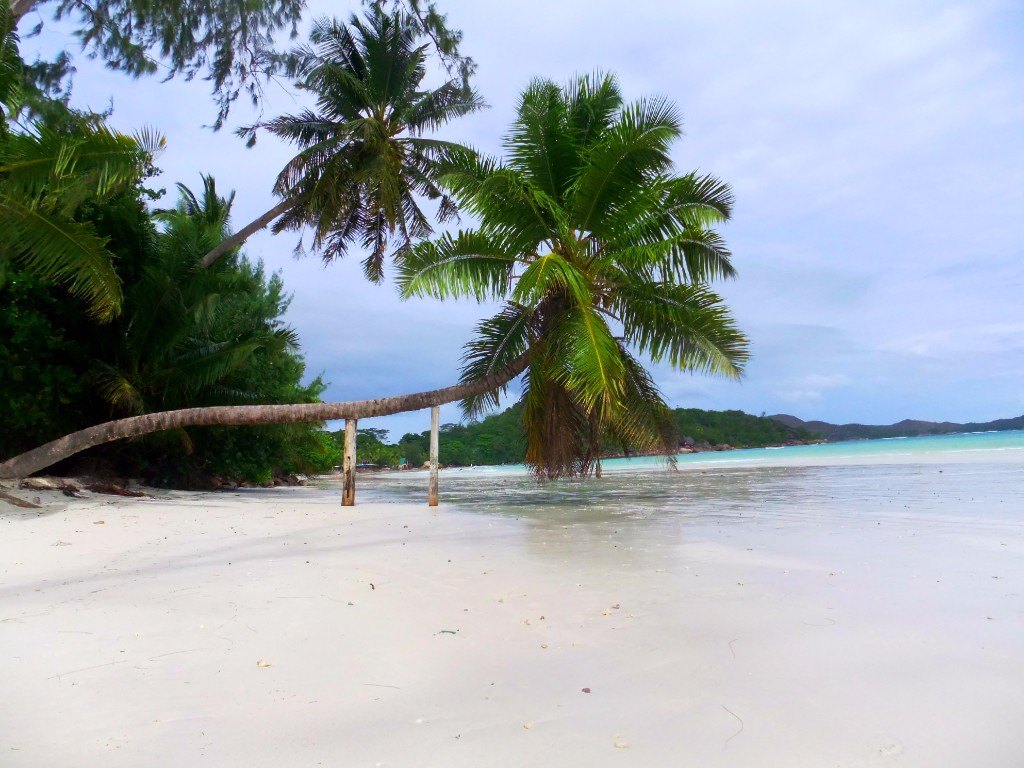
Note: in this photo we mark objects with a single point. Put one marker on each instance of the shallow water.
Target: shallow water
(947, 479)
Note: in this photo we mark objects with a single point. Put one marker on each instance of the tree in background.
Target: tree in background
(231, 43)
(363, 163)
(597, 247)
(180, 340)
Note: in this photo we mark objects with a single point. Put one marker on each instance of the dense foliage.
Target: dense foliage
(184, 337)
(150, 325)
(501, 438)
(735, 428)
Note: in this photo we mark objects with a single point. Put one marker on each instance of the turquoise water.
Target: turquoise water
(1007, 445)
(942, 478)
(899, 448)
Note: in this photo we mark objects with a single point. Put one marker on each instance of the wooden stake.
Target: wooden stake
(435, 423)
(348, 469)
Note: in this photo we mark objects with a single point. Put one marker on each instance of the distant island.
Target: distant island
(905, 428)
(499, 438)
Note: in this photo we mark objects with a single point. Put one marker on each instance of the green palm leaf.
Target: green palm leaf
(499, 341)
(687, 325)
(62, 250)
(472, 264)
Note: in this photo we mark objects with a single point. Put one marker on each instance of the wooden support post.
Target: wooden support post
(348, 469)
(435, 423)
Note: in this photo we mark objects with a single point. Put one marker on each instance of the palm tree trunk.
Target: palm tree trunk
(233, 415)
(19, 8)
(254, 226)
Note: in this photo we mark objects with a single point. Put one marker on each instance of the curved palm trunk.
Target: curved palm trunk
(254, 226)
(234, 415)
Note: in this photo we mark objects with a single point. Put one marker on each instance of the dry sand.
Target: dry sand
(274, 628)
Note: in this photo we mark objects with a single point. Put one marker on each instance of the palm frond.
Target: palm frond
(687, 325)
(560, 439)
(499, 341)
(92, 162)
(116, 389)
(642, 422)
(592, 102)
(539, 145)
(474, 264)
(552, 273)
(62, 250)
(590, 366)
(627, 156)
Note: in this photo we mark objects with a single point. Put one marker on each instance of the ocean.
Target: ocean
(945, 478)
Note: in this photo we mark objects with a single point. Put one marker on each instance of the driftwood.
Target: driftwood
(115, 490)
(18, 502)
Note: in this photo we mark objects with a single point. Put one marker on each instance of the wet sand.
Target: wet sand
(275, 628)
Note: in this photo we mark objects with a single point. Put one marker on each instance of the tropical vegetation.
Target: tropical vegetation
(363, 164)
(185, 336)
(232, 44)
(600, 253)
(598, 249)
(500, 438)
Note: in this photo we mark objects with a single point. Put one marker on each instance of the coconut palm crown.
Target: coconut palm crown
(363, 161)
(598, 250)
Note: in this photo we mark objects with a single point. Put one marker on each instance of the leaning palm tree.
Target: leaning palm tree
(363, 160)
(599, 250)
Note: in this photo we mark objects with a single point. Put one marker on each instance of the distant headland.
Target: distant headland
(905, 428)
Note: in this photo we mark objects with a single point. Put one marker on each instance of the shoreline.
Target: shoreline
(393, 635)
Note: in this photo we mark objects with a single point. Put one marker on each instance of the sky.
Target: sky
(875, 149)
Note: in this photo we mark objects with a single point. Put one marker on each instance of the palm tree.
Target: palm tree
(47, 173)
(598, 249)
(178, 346)
(363, 159)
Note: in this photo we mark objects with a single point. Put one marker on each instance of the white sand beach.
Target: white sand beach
(275, 628)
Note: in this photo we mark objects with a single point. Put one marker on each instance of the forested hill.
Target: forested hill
(499, 439)
(905, 428)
